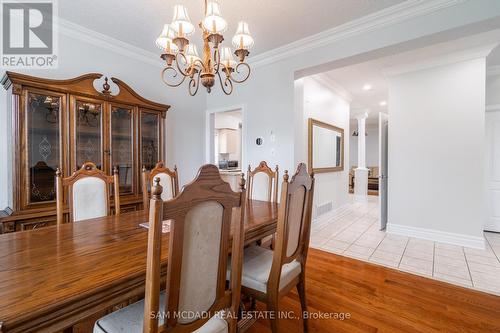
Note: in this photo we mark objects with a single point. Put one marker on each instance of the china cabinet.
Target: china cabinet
(65, 123)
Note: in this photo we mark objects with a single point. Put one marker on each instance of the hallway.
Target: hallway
(353, 231)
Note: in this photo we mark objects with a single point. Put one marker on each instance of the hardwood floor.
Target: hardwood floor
(381, 299)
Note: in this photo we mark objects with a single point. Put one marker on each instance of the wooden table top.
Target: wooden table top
(54, 270)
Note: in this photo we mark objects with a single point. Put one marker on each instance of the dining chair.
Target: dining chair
(197, 298)
(266, 181)
(269, 275)
(89, 195)
(168, 178)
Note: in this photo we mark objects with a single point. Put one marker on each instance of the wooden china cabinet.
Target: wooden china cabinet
(64, 123)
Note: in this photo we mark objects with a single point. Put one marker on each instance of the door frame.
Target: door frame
(210, 117)
(383, 117)
(495, 108)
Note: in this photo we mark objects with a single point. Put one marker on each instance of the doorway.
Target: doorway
(492, 222)
(225, 148)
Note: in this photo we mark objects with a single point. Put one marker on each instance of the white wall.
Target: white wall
(436, 152)
(372, 158)
(493, 90)
(268, 95)
(185, 123)
(322, 103)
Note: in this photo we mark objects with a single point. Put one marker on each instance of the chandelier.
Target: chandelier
(182, 59)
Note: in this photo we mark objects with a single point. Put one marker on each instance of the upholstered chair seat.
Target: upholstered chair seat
(257, 263)
(131, 319)
(268, 275)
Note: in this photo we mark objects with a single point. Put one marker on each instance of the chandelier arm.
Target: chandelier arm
(194, 83)
(217, 60)
(237, 71)
(200, 63)
(174, 75)
(227, 82)
(184, 73)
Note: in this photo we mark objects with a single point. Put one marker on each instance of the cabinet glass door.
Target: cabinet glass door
(150, 140)
(88, 134)
(122, 146)
(43, 145)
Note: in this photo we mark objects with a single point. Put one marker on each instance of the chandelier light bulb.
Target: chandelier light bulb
(213, 22)
(242, 39)
(165, 40)
(226, 57)
(192, 54)
(181, 22)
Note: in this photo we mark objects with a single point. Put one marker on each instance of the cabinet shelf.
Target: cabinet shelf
(117, 138)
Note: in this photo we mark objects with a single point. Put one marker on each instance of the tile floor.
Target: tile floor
(353, 231)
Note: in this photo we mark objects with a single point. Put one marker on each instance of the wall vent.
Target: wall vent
(323, 209)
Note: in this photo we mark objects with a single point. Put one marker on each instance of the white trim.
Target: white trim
(437, 235)
(101, 40)
(492, 107)
(388, 16)
(208, 113)
(330, 83)
(441, 60)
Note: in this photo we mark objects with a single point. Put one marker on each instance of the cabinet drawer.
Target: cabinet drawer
(35, 223)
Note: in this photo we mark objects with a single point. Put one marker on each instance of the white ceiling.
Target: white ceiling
(273, 23)
(352, 78)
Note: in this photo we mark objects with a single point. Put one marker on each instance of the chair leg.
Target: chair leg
(272, 306)
(301, 290)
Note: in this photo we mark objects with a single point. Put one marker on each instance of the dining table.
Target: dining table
(55, 277)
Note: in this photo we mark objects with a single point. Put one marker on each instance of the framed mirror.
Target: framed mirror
(326, 147)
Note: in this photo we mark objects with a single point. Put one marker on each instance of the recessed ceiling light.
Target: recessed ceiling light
(382, 103)
(367, 87)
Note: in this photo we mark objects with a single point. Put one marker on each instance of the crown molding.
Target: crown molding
(101, 40)
(441, 60)
(334, 86)
(388, 16)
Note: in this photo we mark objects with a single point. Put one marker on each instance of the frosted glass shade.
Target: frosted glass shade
(191, 53)
(181, 22)
(164, 41)
(226, 57)
(242, 38)
(213, 21)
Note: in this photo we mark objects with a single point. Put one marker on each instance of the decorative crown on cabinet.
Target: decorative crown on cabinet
(65, 123)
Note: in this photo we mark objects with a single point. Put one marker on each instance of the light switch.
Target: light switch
(272, 138)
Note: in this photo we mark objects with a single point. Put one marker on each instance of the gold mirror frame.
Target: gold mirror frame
(313, 122)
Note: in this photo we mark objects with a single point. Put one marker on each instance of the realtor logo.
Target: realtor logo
(28, 34)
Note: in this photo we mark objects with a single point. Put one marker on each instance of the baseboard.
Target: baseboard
(436, 235)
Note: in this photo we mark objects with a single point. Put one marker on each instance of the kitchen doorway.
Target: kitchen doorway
(225, 143)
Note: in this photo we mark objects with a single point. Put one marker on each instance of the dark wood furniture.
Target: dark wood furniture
(201, 232)
(55, 277)
(292, 244)
(169, 180)
(272, 185)
(65, 123)
(100, 181)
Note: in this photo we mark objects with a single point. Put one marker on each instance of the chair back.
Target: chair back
(88, 195)
(168, 178)
(294, 223)
(265, 181)
(199, 243)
